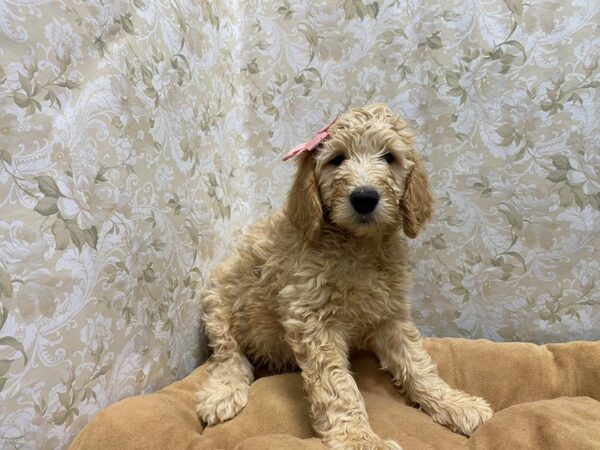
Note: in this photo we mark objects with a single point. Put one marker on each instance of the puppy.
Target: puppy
(328, 273)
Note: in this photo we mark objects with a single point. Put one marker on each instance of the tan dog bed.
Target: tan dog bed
(545, 397)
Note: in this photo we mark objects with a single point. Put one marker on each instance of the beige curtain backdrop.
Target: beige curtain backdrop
(138, 138)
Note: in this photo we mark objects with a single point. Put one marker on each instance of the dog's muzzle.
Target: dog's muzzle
(364, 199)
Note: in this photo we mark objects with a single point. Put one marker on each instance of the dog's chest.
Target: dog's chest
(364, 291)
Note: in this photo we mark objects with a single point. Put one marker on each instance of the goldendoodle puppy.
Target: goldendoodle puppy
(328, 273)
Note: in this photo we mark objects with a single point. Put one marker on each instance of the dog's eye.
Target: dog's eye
(388, 157)
(338, 160)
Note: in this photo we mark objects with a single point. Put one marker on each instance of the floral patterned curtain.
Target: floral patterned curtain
(138, 138)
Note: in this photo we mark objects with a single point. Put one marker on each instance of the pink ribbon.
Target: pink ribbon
(311, 144)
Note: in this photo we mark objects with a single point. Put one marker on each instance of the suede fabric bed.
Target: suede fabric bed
(544, 397)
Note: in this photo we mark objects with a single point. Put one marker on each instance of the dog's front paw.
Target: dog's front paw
(219, 401)
(461, 412)
(370, 442)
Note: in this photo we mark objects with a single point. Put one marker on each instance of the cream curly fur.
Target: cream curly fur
(317, 278)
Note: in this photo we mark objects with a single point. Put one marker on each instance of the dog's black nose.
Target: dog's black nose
(364, 199)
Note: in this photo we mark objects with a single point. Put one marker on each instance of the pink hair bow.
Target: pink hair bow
(311, 144)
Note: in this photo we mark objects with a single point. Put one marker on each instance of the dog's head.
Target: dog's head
(365, 177)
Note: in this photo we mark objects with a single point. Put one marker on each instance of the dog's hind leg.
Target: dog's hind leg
(399, 346)
(225, 392)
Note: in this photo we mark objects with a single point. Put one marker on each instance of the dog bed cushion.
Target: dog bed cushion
(544, 397)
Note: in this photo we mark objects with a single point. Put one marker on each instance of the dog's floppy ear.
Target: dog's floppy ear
(416, 206)
(417, 201)
(304, 204)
